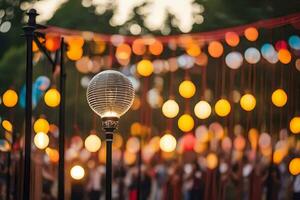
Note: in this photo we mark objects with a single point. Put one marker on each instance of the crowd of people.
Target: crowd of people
(174, 181)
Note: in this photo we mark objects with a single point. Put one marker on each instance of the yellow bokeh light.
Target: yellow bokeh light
(10, 98)
(193, 50)
(145, 68)
(155, 143)
(41, 125)
(77, 172)
(167, 143)
(295, 125)
(74, 53)
(248, 102)
(294, 166)
(278, 156)
(92, 143)
(187, 89)
(222, 107)
(136, 129)
(279, 98)
(170, 108)
(41, 140)
(186, 123)
(7, 125)
(202, 110)
(284, 56)
(211, 161)
(52, 97)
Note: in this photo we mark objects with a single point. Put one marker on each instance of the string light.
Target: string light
(77, 172)
(41, 125)
(145, 68)
(222, 107)
(295, 125)
(52, 97)
(294, 166)
(7, 125)
(202, 110)
(170, 108)
(187, 89)
(10, 98)
(167, 143)
(279, 98)
(41, 140)
(186, 123)
(248, 102)
(92, 143)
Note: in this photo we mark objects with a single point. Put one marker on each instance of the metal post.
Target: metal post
(109, 124)
(109, 139)
(61, 164)
(29, 32)
(8, 174)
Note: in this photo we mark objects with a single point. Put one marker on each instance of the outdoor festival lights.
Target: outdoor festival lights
(110, 94)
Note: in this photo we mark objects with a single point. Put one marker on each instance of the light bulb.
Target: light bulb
(92, 143)
(167, 143)
(110, 94)
(77, 172)
(41, 140)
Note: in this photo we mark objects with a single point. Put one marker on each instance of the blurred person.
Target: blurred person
(296, 188)
(94, 186)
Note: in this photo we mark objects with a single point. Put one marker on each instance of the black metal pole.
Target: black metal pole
(29, 32)
(109, 124)
(109, 139)
(61, 164)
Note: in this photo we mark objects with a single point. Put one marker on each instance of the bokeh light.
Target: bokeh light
(10, 98)
(77, 172)
(186, 123)
(52, 97)
(167, 143)
(187, 89)
(92, 143)
(170, 108)
(222, 107)
(248, 102)
(145, 68)
(41, 140)
(251, 34)
(295, 125)
(202, 110)
(41, 125)
(279, 98)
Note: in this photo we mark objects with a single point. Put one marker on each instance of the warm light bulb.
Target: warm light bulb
(222, 107)
(211, 161)
(279, 98)
(295, 125)
(145, 68)
(77, 172)
(41, 125)
(167, 143)
(187, 89)
(7, 125)
(110, 94)
(92, 143)
(202, 110)
(294, 166)
(41, 140)
(10, 98)
(170, 108)
(248, 102)
(186, 123)
(52, 97)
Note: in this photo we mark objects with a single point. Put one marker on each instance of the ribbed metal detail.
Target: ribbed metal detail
(110, 94)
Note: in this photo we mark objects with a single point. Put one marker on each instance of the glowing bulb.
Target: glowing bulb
(52, 97)
(77, 172)
(279, 98)
(186, 123)
(10, 98)
(211, 161)
(92, 143)
(202, 110)
(248, 102)
(170, 108)
(110, 94)
(41, 140)
(41, 125)
(294, 166)
(295, 125)
(187, 89)
(251, 34)
(7, 125)
(145, 68)
(167, 143)
(215, 49)
(222, 107)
